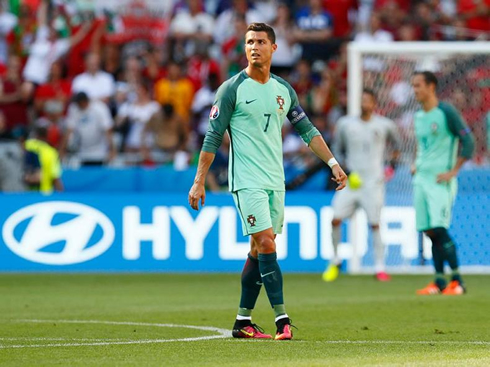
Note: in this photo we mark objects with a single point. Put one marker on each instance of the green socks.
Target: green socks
(450, 254)
(443, 249)
(438, 257)
(264, 270)
(251, 285)
(272, 278)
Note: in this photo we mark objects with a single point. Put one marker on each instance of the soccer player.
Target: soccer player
(438, 129)
(362, 140)
(252, 107)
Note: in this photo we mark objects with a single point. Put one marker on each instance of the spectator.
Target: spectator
(476, 13)
(111, 60)
(286, 54)
(424, 19)
(302, 83)
(190, 27)
(374, 33)
(45, 50)
(342, 12)
(153, 60)
(407, 33)
(43, 168)
(7, 23)
(11, 160)
(169, 133)
(97, 84)
(136, 115)
(11, 103)
(132, 75)
(175, 90)
(223, 29)
(89, 43)
(203, 101)
(233, 50)
(200, 66)
(57, 90)
(89, 131)
(324, 95)
(22, 36)
(314, 30)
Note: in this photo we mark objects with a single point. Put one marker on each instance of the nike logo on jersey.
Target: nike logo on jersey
(253, 100)
(264, 275)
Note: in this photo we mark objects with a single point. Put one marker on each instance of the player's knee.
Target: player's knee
(375, 227)
(265, 243)
(336, 222)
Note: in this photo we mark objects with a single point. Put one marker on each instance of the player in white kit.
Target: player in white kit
(362, 142)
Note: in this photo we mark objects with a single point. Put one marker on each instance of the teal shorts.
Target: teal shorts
(433, 203)
(260, 209)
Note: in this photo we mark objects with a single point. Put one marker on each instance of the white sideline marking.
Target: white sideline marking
(454, 342)
(222, 333)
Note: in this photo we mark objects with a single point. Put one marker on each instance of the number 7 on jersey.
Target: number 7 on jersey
(268, 115)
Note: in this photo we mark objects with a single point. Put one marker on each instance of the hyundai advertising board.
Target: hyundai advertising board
(151, 232)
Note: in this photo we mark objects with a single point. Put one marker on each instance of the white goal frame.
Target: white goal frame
(356, 50)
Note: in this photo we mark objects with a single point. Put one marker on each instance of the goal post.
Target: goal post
(463, 69)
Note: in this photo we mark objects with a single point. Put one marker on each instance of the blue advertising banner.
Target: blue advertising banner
(160, 232)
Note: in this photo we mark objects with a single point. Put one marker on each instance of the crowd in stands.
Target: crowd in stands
(135, 87)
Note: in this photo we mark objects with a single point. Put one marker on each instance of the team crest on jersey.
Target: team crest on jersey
(434, 127)
(213, 115)
(280, 101)
(251, 220)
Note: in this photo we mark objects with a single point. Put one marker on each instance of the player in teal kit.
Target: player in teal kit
(252, 107)
(439, 129)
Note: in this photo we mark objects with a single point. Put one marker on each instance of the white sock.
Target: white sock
(240, 317)
(336, 233)
(281, 317)
(379, 251)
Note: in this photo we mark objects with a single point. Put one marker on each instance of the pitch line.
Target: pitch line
(453, 342)
(222, 333)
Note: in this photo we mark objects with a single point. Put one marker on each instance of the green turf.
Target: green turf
(354, 321)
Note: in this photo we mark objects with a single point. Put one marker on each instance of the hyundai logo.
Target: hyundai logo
(58, 233)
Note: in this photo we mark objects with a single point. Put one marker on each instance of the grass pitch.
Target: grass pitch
(123, 320)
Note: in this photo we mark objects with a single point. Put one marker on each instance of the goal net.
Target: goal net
(463, 70)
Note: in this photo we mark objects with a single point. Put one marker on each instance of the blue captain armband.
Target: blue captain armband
(296, 114)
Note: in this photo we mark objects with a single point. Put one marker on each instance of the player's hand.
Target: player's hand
(339, 176)
(196, 193)
(446, 176)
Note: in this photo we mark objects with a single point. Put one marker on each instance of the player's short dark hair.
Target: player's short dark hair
(262, 27)
(429, 77)
(371, 92)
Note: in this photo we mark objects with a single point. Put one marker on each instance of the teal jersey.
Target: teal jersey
(438, 133)
(253, 114)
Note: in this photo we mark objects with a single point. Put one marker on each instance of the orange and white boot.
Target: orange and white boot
(430, 290)
(455, 288)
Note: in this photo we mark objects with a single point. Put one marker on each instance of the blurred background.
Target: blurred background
(116, 94)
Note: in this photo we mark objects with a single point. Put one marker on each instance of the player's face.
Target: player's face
(368, 103)
(259, 48)
(421, 89)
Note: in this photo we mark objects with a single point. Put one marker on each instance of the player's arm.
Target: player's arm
(321, 149)
(312, 137)
(219, 120)
(459, 129)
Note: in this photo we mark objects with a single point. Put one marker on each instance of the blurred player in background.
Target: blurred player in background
(362, 142)
(438, 129)
(252, 107)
